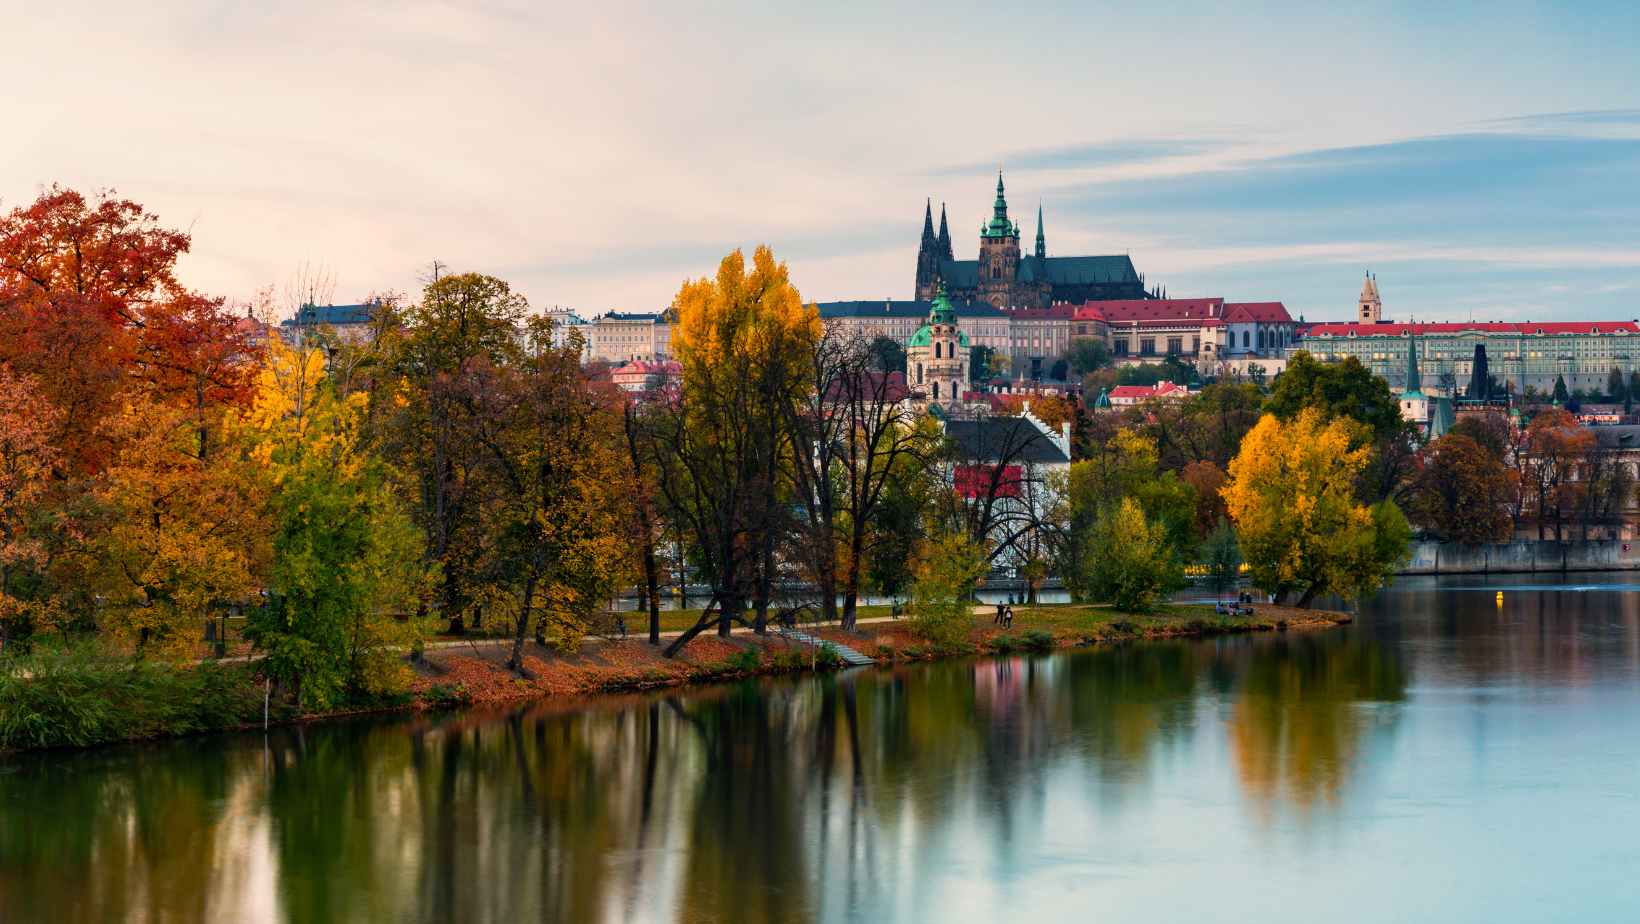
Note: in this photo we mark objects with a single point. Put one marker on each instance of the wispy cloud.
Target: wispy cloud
(1102, 154)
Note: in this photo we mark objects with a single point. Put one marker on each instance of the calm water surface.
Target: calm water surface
(1444, 759)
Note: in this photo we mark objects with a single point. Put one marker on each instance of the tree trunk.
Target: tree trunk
(516, 661)
(689, 634)
(651, 580)
(1308, 596)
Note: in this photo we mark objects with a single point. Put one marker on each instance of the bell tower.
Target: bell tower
(1371, 308)
(998, 254)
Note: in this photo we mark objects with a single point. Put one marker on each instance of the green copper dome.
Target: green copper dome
(925, 336)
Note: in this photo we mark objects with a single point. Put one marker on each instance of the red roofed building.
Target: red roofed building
(644, 375)
(1129, 395)
(1207, 331)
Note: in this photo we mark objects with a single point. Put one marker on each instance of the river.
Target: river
(1446, 758)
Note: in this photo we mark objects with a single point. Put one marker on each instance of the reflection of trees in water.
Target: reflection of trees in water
(121, 835)
(766, 801)
(1295, 726)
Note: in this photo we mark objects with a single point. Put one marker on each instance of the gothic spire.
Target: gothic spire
(928, 220)
(1415, 384)
(944, 239)
(1041, 241)
(999, 225)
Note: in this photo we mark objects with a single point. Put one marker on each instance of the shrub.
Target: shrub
(442, 696)
(746, 661)
(1036, 640)
(78, 698)
(1002, 644)
(827, 657)
(947, 569)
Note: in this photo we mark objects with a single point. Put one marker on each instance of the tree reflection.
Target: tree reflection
(1296, 725)
(765, 801)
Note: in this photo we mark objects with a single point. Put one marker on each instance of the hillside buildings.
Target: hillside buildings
(1207, 332)
(1522, 356)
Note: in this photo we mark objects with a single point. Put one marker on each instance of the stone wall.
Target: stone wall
(1523, 556)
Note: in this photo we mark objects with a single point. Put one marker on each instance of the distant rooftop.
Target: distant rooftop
(331, 315)
(901, 308)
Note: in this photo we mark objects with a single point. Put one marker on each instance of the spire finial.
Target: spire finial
(1041, 240)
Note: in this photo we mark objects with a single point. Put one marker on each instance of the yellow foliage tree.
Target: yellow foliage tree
(1291, 496)
(746, 343)
(183, 530)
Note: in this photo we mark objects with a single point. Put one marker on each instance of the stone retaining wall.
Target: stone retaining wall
(1523, 556)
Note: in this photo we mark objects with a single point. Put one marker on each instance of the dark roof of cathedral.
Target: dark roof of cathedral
(901, 308)
(1058, 271)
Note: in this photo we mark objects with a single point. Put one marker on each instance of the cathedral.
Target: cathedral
(1005, 279)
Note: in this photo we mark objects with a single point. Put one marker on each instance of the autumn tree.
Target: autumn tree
(27, 460)
(1461, 491)
(1490, 430)
(344, 576)
(428, 423)
(947, 568)
(560, 514)
(177, 530)
(90, 305)
(1292, 499)
(850, 431)
(1553, 446)
(743, 339)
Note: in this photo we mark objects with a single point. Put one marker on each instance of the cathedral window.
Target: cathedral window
(936, 391)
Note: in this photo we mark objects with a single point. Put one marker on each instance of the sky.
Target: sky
(1482, 159)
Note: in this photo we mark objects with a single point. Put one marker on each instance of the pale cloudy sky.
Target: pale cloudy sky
(1483, 159)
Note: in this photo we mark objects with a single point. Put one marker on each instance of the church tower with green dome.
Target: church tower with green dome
(936, 356)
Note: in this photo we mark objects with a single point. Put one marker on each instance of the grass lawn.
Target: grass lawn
(1085, 621)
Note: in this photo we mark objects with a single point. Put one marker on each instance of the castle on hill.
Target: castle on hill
(1004, 278)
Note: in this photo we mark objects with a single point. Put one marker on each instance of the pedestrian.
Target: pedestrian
(997, 620)
(1008, 618)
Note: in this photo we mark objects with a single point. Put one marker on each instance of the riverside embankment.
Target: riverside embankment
(1524, 557)
(92, 702)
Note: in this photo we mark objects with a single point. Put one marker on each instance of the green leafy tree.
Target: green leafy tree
(345, 571)
(948, 568)
(1131, 562)
(1088, 354)
(1222, 556)
(887, 355)
(1617, 390)
(1561, 395)
(1346, 389)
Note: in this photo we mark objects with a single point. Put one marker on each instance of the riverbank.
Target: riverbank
(80, 701)
(476, 673)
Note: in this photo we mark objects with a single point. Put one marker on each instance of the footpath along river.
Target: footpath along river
(1446, 758)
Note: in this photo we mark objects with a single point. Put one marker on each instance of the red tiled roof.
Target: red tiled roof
(1257, 312)
(1355, 329)
(1147, 391)
(1153, 309)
